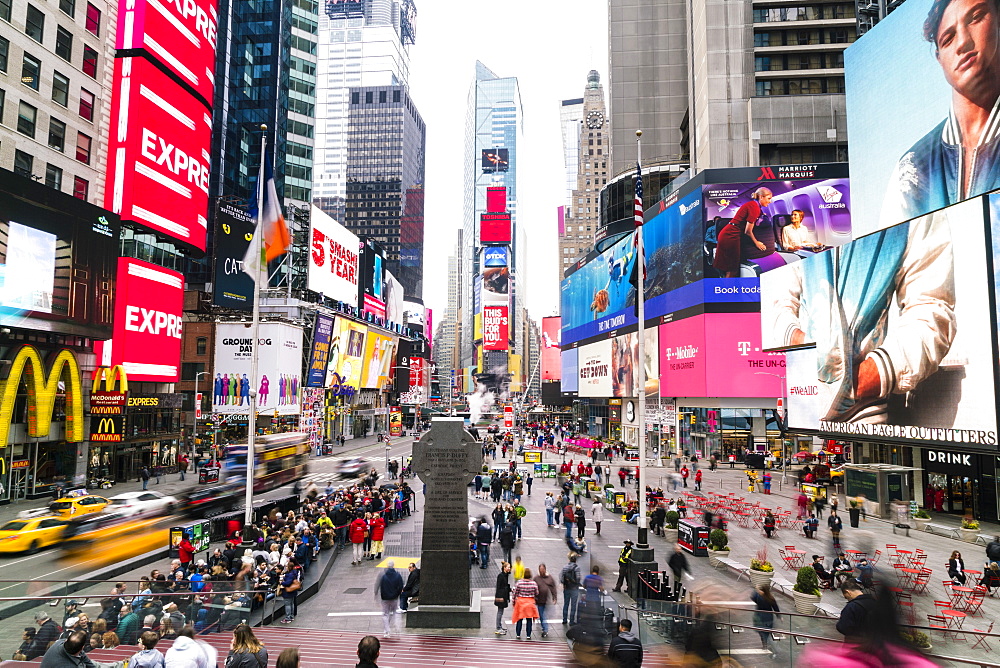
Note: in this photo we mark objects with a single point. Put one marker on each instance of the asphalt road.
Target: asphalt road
(22, 575)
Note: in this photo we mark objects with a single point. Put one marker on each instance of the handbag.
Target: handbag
(499, 600)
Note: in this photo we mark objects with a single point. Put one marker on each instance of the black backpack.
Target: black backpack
(569, 577)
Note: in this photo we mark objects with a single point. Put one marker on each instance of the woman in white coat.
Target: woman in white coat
(597, 514)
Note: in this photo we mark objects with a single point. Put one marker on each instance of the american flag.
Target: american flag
(638, 195)
(636, 240)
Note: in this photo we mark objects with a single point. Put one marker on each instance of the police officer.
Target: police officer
(624, 560)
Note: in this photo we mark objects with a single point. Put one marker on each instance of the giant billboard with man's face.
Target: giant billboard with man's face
(922, 93)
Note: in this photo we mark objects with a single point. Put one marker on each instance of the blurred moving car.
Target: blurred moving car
(31, 534)
(355, 467)
(202, 502)
(107, 538)
(144, 503)
(70, 506)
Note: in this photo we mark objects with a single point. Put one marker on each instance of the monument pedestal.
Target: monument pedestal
(446, 616)
(642, 560)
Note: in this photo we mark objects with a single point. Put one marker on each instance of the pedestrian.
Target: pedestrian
(677, 463)
(246, 651)
(854, 621)
(377, 531)
(766, 479)
(185, 552)
(157, 472)
(550, 506)
(801, 501)
(835, 525)
(818, 504)
(412, 587)
(484, 536)
(529, 480)
(368, 651)
(144, 474)
(684, 475)
(581, 522)
(501, 597)
(547, 593)
(525, 608)
(289, 658)
(769, 523)
(388, 587)
(624, 559)
(625, 649)
(507, 540)
(357, 532)
(597, 515)
(763, 616)
(291, 583)
(678, 565)
(697, 480)
(148, 656)
(811, 526)
(569, 577)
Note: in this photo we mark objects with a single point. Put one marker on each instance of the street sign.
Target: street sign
(197, 406)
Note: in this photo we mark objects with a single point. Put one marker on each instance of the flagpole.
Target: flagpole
(643, 521)
(258, 237)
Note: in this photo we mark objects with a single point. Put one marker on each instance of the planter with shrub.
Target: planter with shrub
(670, 525)
(718, 546)
(806, 591)
(921, 519)
(969, 529)
(761, 570)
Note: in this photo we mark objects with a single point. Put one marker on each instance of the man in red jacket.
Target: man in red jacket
(185, 552)
(378, 532)
(356, 534)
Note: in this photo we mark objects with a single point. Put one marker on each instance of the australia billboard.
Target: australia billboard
(933, 65)
(893, 338)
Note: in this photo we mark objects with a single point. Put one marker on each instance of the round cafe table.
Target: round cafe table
(955, 617)
(907, 576)
(799, 556)
(961, 595)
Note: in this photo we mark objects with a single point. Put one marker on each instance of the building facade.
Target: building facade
(360, 45)
(56, 66)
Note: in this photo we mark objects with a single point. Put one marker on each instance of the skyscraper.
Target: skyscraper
(386, 140)
(570, 117)
(361, 44)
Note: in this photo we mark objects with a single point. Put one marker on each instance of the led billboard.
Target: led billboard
(939, 90)
(625, 364)
(319, 356)
(158, 160)
(496, 199)
(333, 260)
(598, 298)
(393, 291)
(494, 256)
(179, 34)
(496, 286)
(149, 312)
(551, 365)
(233, 288)
(380, 352)
(347, 350)
(279, 368)
(496, 327)
(900, 342)
(495, 160)
(595, 369)
(494, 228)
(718, 355)
(570, 363)
(58, 260)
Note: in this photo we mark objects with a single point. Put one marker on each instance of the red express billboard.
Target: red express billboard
(494, 228)
(551, 358)
(158, 160)
(149, 309)
(496, 330)
(181, 34)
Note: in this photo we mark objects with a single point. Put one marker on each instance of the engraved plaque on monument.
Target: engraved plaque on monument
(446, 459)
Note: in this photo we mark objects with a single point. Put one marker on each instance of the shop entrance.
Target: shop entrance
(19, 484)
(950, 493)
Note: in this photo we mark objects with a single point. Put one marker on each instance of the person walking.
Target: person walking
(246, 651)
(854, 622)
(388, 588)
(501, 597)
(547, 593)
(525, 608)
(597, 515)
(550, 506)
(570, 579)
(763, 616)
(836, 526)
(625, 649)
(484, 536)
(581, 522)
(507, 541)
(528, 480)
(678, 565)
(624, 559)
(697, 480)
(684, 475)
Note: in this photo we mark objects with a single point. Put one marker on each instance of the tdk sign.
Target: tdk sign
(495, 257)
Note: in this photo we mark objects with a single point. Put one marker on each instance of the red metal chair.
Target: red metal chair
(982, 638)
(975, 603)
(938, 623)
(875, 557)
(920, 584)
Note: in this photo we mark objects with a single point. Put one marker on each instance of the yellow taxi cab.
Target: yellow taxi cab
(73, 506)
(31, 534)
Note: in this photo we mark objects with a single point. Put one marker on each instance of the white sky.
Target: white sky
(549, 45)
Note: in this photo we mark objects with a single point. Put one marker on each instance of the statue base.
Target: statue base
(446, 616)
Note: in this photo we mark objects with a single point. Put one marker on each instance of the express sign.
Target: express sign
(148, 316)
(181, 34)
(158, 160)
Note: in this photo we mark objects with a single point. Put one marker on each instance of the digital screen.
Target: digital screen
(900, 342)
(496, 331)
(158, 154)
(347, 350)
(674, 248)
(570, 360)
(233, 288)
(625, 364)
(598, 298)
(495, 256)
(496, 159)
(319, 356)
(551, 365)
(149, 315)
(180, 35)
(496, 199)
(58, 260)
(595, 369)
(717, 355)
(333, 259)
(494, 228)
(910, 166)
(380, 353)
(279, 369)
(496, 287)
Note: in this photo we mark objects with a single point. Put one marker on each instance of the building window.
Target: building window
(57, 134)
(83, 148)
(5, 10)
(4, 51)
(26, 115)
(81, 187)
(190, 370)
(89, 62)
(3, 102)
(64, 44)
(86, 104)
(34, 24)
(382, 96)
(201, 346)
(31, 71)
(60, 89)
(395, 96)
(68, 6)
(93, 19)
(23, 163)
(355, 98)
(369, 97)
(53, 177)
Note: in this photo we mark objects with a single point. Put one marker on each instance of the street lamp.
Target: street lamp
(784, 458)
(197, 404)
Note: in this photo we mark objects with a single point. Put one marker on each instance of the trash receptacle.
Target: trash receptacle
(692, 536)
(199, 533)
(207, 475)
